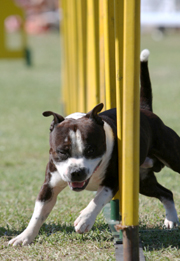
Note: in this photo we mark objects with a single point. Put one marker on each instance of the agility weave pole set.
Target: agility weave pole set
(101, 47)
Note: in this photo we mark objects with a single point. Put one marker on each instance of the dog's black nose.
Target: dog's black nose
(78, 175)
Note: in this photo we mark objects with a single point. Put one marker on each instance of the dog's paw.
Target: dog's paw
(25, 238)
(171, 219)
(171, 223)
(84, 222)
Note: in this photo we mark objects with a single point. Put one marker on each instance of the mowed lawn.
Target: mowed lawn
(25, 92)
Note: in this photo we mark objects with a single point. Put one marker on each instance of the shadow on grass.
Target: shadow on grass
(99, 232)
(156, 239)
(9, 232)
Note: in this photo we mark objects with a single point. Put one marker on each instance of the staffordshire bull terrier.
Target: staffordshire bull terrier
(83, 155)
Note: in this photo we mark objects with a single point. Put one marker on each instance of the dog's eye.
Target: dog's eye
(62, 152)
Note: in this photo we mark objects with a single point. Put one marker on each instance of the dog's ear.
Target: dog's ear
(57, 118)
(93, 114)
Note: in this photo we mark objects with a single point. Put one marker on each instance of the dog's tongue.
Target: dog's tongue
(77, 184)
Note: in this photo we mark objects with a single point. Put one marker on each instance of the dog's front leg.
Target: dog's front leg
(46, 200)
(41, 211)
(88, 215)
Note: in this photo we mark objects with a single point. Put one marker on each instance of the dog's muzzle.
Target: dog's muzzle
(78, 175)
(79, 179)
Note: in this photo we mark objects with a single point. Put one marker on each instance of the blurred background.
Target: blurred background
(41, 16)
(45, 15)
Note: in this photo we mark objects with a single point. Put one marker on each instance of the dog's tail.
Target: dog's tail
(146, 91)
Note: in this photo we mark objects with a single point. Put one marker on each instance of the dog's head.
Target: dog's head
(77, 145)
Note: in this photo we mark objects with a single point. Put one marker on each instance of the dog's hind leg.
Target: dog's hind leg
(168, 148)
(46, 200)
(151, 188)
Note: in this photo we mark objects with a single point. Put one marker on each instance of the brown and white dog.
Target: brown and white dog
(83, 154)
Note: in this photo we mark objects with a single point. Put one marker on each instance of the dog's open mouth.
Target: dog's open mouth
(80, 185)
(77, 185)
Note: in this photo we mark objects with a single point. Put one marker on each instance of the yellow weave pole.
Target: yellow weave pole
(68, 55)
(109, 60)
(102, 93)
(109, 47)
(118, 13)
(72, 53)
(130, 141)
(64, 61)
(74, 46)
(82, 45)
(92, 54)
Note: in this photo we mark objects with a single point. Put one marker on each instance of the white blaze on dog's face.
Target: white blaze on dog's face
(77, 148)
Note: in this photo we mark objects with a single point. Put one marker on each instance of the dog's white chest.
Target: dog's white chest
(94, 182)
(99, 174)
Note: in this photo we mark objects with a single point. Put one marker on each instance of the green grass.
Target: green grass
(24, 94)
